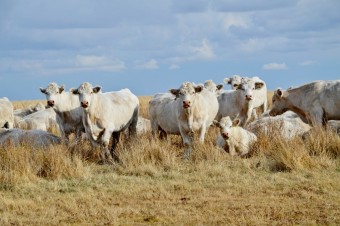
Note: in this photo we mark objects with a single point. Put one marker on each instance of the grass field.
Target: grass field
(284, 182)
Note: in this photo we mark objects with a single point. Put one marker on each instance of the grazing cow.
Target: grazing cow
(68, 110)
(6, 113)
(260, 92)
(191, 108)
(234, 139)
(106, 115)
(315, 102)
(240, 102)
(288, 125)
(34, 138)
(45, 120)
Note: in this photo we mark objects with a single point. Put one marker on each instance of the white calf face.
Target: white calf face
(186, 93)
(225, 125)
(212, 87)
(85, 92)
(278, 104)
(52, 93)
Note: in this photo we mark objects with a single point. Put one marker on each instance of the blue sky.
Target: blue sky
(151, 46)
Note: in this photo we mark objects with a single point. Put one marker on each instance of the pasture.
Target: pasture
(283, 182)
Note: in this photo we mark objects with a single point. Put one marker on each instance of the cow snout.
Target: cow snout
(249, 97)
(186, 103)
(84, 104)
(50, 103)
(225, 135)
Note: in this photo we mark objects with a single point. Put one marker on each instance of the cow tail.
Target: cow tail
(133, 124)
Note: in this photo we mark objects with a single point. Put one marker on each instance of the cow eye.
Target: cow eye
(235, 85)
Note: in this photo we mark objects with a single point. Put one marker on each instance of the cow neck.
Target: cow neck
(293, 103)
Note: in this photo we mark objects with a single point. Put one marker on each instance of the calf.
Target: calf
(190, 109)
(67, 108)
(106, 115)
(234, 139)
(315, 102)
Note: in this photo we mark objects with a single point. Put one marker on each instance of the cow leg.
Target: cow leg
(202, 133)
(115, 140)
(162, 134)
(317, 116)
(187, 141)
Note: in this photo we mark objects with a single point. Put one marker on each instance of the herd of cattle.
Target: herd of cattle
(100, 116)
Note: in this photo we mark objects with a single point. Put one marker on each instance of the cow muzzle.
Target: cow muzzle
(225, 135)
(50, 103)
(186, 104)
(249, 97)
(84, 104)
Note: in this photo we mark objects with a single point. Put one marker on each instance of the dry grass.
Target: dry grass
(284, 182)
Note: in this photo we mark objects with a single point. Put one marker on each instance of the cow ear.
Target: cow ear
(259, 85)
(198, 89)
(279, 92)
(74, 91)
(96, 89)
(227, 81)
(219, 86)
(42, 90)
(174, 91)
(236, 122)
(217, 123)
(61, 88)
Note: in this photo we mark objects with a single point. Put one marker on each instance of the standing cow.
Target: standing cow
(6, 113)
(189, 109)
(315, 102)
(106, 115)
(260, 92)
(240, 102)
(68, 109)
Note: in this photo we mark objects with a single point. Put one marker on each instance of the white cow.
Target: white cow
(33, 138)
(45, 120)
(106, 115)
(287, 125)
(190, 109)
(6, 113)
(240, 102)
(233, 138)
(19, 114)
(315, 102)
(260, 92)
(68, 110)
(212, 87)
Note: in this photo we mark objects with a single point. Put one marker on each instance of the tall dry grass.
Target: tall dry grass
(282, 182)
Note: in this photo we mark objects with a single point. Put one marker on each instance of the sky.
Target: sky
(151, 46)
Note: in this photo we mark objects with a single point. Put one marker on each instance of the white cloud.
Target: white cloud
(101, 63)
(275, 66)
(204, 51)
(236, 21)
(174, 66)
(150, 65)
(307, 62)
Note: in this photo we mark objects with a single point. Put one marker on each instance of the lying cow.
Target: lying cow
(190, 109)
(260, 92)
(315, 102)
(240, 102)
(45, 120)
(33, 138)
(287, 125)
(19, 114)
(106, 115)
(234, 139)
(6, 113)
(67, 108)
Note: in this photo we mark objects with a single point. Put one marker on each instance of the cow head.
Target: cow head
(85, 92)
(212, 87)
(186, 93)
(225, 125)
(278, 103)
(52, 93)
(234, 81)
